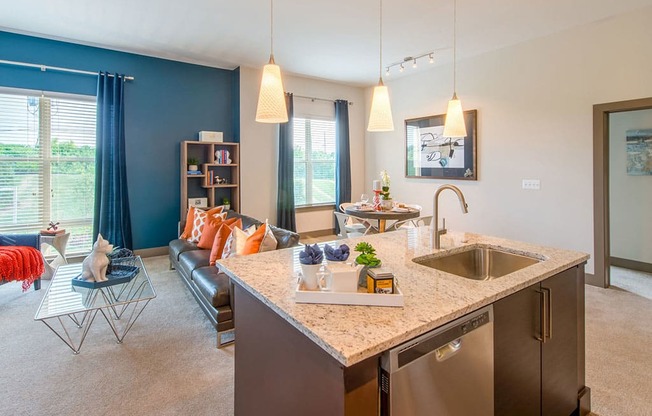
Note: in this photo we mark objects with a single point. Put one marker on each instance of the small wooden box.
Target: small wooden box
(381, 284)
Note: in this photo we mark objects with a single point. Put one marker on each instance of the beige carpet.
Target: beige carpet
(168, 364)
(619, 345)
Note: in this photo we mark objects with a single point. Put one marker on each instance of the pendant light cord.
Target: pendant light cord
(454, 47)
(271, 27)
(380, 47)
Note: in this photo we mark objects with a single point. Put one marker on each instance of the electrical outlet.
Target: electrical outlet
(531, 184)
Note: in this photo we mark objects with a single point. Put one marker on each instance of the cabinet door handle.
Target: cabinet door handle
(549, 307)
(543, 315)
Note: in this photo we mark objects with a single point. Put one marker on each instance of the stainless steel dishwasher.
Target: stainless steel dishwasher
(448, 371)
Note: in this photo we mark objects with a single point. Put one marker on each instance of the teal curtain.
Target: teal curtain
(342, 156)
(112, 218)
(285, 216)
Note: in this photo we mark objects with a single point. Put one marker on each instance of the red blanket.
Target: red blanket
(20, 263)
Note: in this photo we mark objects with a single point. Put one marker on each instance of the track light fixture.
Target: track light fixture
(407, 59)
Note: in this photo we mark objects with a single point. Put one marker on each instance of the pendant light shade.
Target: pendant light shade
(454, 125)
(271, 97)
(380, 116)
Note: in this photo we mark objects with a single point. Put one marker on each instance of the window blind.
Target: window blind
(314, 161)
(47, 165)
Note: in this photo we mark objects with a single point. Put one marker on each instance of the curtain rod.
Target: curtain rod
(43, 68)
(318, 99)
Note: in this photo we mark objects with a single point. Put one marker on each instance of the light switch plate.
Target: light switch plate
(531, 184)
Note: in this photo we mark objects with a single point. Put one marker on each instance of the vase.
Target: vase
(387, 204)
(309, 278)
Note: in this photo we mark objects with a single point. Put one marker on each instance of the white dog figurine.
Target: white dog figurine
(94, 266)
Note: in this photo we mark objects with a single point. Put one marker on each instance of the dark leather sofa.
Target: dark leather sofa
(211, 288)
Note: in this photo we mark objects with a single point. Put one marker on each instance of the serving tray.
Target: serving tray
(120, 274)
(349, 298)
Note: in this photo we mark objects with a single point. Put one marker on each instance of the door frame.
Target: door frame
(602, 250)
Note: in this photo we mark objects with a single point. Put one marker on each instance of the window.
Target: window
(47, 165)
(314, 161)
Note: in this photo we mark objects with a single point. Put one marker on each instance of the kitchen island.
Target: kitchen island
(313, 359)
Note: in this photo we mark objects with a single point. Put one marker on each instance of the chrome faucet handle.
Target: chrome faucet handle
(443, 227)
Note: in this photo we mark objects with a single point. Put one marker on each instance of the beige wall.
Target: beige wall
(259, 146)
(534, 103)
(630, 197)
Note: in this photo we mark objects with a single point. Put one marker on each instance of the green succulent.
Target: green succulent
(367, 255)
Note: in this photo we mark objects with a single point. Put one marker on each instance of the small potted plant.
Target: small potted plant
(227, 203)
(367, 258)
(193, 164)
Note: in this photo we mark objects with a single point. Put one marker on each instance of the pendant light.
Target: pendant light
(454, 125)
(271, 98)
(380, 116)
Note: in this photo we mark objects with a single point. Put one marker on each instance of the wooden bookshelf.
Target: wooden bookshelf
(205, 153)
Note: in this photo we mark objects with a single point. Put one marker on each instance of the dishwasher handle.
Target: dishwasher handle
(448, 350)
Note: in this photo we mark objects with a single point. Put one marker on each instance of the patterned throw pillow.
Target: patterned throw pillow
(269, 242)
(236, 241)
(200, 219)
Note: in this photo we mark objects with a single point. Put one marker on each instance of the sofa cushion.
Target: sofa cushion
(213, 285)
(191, 260)
(181, 246)
(284, 237)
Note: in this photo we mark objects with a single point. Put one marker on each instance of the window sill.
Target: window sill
(311, 208)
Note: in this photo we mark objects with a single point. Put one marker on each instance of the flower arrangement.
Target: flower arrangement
(384, 178)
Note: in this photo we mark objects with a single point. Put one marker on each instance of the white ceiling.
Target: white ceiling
(328, 39)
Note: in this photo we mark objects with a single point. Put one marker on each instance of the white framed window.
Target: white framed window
(314, 161)
(47, 164)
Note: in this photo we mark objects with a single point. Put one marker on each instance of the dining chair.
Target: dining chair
(353, 223)
(346, 231)
(411, 223)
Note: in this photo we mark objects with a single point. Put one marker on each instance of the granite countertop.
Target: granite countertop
(432, 298)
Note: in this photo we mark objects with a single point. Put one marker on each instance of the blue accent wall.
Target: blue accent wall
(168, 102)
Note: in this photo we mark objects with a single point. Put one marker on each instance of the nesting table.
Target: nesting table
(69, 310)
(59, 243)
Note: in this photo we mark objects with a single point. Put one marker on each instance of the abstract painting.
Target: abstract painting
(639, 152)
(431, 155)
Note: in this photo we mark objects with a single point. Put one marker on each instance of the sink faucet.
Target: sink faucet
(435, 232)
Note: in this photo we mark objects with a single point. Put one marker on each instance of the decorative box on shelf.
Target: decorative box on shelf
(350, 298)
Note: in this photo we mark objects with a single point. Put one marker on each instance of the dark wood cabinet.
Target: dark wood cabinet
(538, 335)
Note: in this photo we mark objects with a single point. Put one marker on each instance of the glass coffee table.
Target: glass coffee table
(69, 310)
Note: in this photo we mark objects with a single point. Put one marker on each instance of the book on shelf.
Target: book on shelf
(194, 172)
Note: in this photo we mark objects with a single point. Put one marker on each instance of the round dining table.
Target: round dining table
(382, 216)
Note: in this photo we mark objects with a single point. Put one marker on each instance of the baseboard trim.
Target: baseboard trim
(631, 264)
(584, 401)
(317, 233)
(152, 252)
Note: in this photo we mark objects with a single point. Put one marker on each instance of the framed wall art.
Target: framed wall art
(428, 154)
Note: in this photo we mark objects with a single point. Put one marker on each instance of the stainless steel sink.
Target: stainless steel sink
(478, 263)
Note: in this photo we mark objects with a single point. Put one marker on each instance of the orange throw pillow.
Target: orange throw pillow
(223, 234)
(187, 230)
(200, 219)
(252, 245)
(208, 232)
